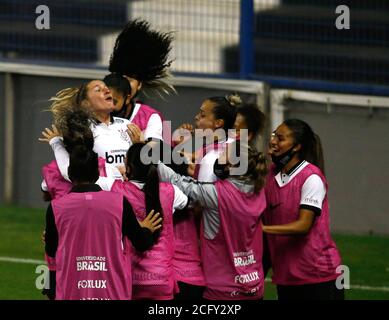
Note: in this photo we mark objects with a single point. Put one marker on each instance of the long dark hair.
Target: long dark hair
(83, 165)
(146, 173)
(311, 147)
(143, 54)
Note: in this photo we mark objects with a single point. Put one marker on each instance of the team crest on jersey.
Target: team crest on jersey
(124, 135)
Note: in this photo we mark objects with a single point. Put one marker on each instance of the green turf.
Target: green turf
(18, 282)
(366, 256)
(21, 231)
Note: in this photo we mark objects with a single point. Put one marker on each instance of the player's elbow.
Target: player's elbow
(303, 227)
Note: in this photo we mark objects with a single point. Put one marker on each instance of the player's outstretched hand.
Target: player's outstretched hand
(49, 134)
(152, 222)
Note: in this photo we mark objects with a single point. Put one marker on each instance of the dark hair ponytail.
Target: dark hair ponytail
(146, 173)
(83, 165)
(151, 189)
(311, 148)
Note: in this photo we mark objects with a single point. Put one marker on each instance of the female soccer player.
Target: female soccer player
(153, 273)
(304, 257)
(76, 131)
(249, 117)
(141, 55)
(231, 235)
(84, 233)
(111, 140)
(141, 116)
(216, 116)
(216, 113)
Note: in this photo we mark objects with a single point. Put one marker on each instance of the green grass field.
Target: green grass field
(366, 256)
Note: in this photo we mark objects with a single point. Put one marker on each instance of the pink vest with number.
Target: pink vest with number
(57, 186)
(299, 259)
(91, 264)
(152, 273)
(232, 261)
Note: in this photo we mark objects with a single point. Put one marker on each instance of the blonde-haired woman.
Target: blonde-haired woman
(111, 140)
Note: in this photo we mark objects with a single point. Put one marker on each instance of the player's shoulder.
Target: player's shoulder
(147, 108)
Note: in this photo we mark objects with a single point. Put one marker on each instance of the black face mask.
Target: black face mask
(283, 159)
(220, 170)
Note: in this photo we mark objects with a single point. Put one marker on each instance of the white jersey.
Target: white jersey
(206, 164)
(313, 191)
(111, 141)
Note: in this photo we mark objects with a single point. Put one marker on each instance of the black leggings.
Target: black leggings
(317, 291)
